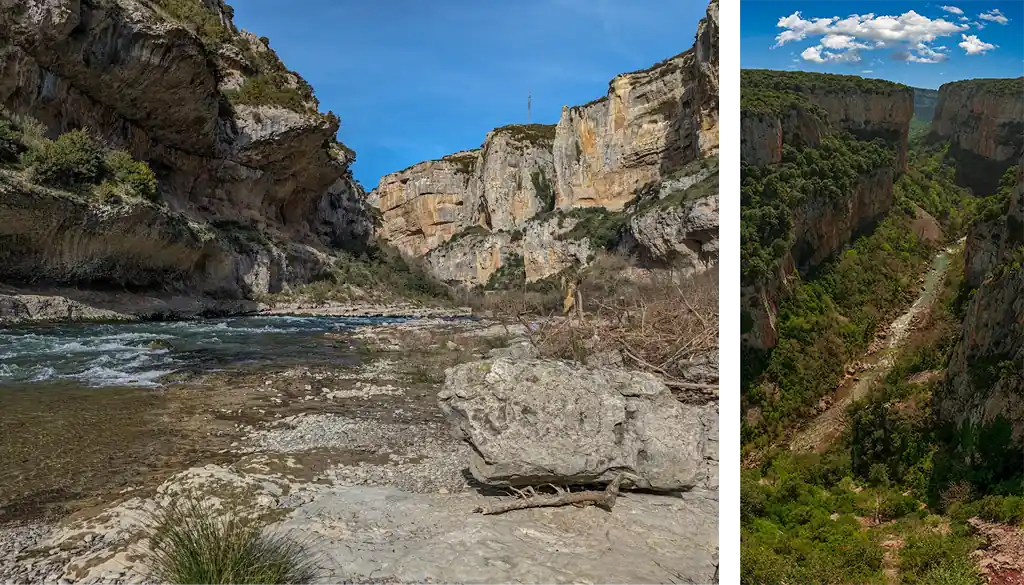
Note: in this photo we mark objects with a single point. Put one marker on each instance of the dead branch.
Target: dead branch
(528, 498)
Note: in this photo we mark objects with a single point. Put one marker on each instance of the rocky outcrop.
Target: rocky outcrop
(53, 237)
(984, 121)
(685, 236)
(798, 108)
(547, 253)
(425, 205)
(516, 174)
(762, 134)
(147, 83)
(534, 422)
(603, 154)
(499, 186)
(472, 259)
(821, 228)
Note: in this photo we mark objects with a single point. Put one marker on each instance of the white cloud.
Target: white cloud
(867, 71)
(972, 45)
(994, 15)
(964, 19)
(952, 9)
(910, 36)
(978, 25)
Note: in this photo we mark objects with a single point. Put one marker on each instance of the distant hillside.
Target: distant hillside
(924, 103)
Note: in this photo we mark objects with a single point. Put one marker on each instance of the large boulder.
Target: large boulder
(539, 421)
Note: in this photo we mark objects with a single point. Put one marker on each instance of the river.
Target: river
(146, 354)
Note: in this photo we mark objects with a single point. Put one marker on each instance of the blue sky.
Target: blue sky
(414, 80)
(922, 44)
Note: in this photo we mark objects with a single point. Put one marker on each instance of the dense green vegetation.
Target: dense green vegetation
(511, 275)
(777, 103)
(1000, 86)
(804, 81)
(379, 270)
(530, 133)
(889, 501)
(75, 161)
(829, 320)
(770, 197)
(893, 478)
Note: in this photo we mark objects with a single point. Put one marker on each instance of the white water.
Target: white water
(140, 354)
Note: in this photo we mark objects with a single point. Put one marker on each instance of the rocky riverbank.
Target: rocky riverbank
(67, 305)
(358, 461)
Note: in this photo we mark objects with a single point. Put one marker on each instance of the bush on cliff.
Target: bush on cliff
(267, 90)
(10, 142)
(77, 162)
(70, 162)
(133, 176)
(195, 14)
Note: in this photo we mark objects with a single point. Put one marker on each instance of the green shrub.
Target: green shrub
(512, 274)
(201, 19)
(190, 544)
(72, 161)
(604, 228)
(930, 558)
(264, 89)
(135, 176)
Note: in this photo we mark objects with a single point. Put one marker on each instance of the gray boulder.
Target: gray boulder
(538, 421)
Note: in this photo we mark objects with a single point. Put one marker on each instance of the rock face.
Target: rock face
(649, 125)
(762, 135)
(985, 377)
(984, 121)
(472, 259)
(532, 422)
(683, 235)
(147, 83)
(425, 205)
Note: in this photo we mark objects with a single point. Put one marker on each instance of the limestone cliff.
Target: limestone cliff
(651, 124)
(230, 133)
(425, 205)
(984, 121)
(985, 376)
(798, 110)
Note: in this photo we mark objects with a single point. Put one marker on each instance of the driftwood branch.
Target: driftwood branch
(529, 498)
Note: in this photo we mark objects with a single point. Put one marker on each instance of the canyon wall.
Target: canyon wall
(230, 133)
(799, 109)
(984, 121)
(985, 377)
(512, 197)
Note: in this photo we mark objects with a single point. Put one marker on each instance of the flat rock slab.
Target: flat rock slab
(531, 422)
(385, 533)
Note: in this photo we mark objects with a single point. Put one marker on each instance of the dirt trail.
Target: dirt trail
(875, 364)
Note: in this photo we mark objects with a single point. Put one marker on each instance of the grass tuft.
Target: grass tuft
(191, 543)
